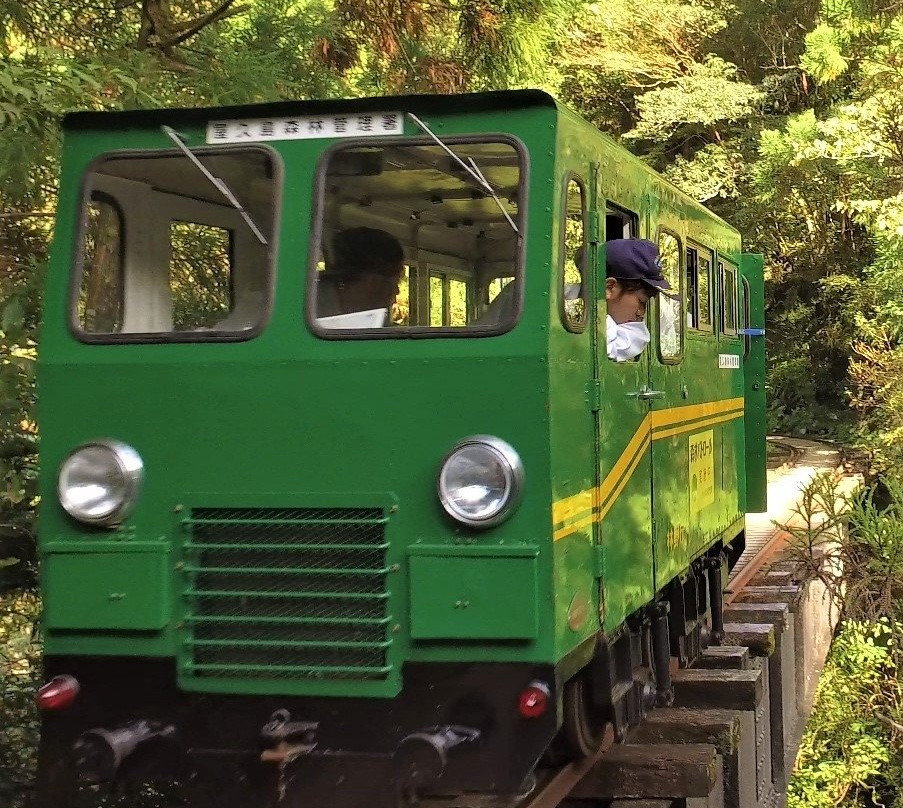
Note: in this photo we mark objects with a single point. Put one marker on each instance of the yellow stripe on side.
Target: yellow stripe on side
(677, 430)
(609, 491)
(572, 506)
(622, 483)
(675, 415)
(598, 501)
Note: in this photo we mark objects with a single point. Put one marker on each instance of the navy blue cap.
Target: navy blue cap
(635, 259)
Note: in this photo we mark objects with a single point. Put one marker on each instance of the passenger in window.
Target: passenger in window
(363, 274)
(633, 276)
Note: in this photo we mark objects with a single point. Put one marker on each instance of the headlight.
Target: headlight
(481, 481)
(98, 482)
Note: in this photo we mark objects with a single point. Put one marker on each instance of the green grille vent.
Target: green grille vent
(286, 594)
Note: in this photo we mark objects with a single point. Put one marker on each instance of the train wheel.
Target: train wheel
(583, 726)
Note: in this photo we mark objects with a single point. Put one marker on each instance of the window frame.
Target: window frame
(626, 214)
(574, 326)
(682, 281)
(631, 222)
(697, 247)
(277, 169)
(445, 277)
(414, 332)
(725, 266)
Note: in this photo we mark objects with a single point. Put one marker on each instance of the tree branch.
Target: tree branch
(894, 725)
(220, 13)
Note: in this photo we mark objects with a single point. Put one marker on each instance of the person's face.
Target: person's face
(625, 306)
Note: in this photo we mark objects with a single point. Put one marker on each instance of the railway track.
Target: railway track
(731, 738)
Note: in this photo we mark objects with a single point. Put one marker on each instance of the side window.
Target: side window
(670, 319)
(704, 285)
(619, 223)
(624, 302)
(449, 304)
(728, 274)
(99, 306)
(574, 258)
(699, 289)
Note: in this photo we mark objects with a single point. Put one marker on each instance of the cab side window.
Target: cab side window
(670, 306)
(699, 289)
(621, 223)
(728, 274)
(574, 258)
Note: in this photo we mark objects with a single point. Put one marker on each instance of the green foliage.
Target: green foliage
(715, 171)
(708, 96)
(848, 755)
(851, 753)
(19, 672)
(824, 58)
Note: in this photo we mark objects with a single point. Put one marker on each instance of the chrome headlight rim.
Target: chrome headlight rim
(514, 477)
(130, 467)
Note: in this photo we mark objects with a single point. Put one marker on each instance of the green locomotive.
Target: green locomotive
(308, 543)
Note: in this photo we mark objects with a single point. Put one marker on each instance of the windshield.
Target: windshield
(408, 241)
(164, 256)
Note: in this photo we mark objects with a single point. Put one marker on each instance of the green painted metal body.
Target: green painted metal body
(284, 429)
(753, 272)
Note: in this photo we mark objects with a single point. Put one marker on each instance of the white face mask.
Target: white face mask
(626, 341)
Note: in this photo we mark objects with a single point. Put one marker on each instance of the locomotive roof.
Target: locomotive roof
(471, 102)
(423, 104)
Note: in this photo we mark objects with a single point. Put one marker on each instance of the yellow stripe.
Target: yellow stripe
(677, 430)
(564, 509)
(621, 486)
(599, 500)
(572, 506)
(691, 411)
(608, 497)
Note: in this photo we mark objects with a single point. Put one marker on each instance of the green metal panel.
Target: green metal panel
(752, 271)
(90, 585)
(474, 592)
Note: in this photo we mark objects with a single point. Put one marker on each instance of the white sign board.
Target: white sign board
(305, 127)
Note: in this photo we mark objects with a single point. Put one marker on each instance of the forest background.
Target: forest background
(785, 117)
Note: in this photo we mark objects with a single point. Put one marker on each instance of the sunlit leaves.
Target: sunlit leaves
(706, 97)
(824, 57)
(714, 171)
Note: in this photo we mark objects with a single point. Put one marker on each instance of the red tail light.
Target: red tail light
(534, 700)
(58, 693)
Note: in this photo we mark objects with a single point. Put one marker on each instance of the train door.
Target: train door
(624, 493)
(673, 399)
(753, 320)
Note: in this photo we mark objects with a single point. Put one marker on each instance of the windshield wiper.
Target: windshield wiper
(471, 169)
(217, 183)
